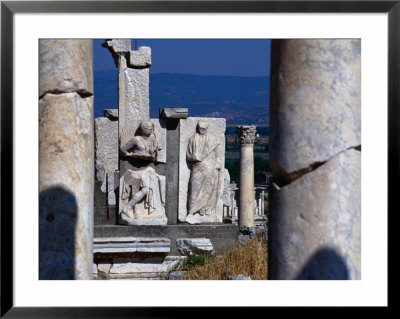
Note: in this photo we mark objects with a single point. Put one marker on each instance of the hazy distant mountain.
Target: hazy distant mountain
(238, 99)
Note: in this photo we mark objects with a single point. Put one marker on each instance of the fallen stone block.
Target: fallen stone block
(239, 277)
(176, 275)
(131, 245)
(198, 246)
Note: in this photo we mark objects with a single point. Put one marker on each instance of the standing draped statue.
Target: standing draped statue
(203, 153)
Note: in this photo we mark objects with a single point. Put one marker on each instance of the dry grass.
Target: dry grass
(249, 260)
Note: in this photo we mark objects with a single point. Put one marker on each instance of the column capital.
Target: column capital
(246, 134)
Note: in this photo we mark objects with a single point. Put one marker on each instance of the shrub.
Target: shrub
(194, 260)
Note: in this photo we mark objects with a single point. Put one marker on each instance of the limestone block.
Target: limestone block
(112, 114)
(104, 267)
(123, 245)
(216, 126)
(132, 129)
(142, 270)
(198, 246)
(174, 113)
(60, 66)
(134, 103)
(140, 57)
(243, 239)
(316, 105)
(142, 198)
(66, 186)
(176, 275)
(117, 47)
(239, 277)
(315, 223)
(226, 197)
(106, 148)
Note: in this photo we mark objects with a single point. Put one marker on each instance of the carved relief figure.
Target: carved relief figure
(203, 153)
(144, 146)
(142, 195)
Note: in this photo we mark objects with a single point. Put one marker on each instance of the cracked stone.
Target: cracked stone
(60, 66)
(66, 184)
(316, 105)
(315, 223)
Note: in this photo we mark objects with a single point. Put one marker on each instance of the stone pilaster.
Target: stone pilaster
(172, 117)
(66, 159)
(106, 153)
(315, 145)
(133, 80)
(133, 86)
(246, 135)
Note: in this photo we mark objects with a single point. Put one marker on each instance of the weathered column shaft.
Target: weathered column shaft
(246, 191)
(315, 143)
(246, 184)
(66, 159)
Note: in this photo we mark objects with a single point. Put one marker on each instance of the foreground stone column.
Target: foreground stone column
(315, 144)
(246, 136)
(66, 165)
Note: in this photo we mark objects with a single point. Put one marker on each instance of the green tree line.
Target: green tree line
(260, 165)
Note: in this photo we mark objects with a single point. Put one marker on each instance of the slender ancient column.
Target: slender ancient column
(66, 159)
(246, 136)
(315, 156)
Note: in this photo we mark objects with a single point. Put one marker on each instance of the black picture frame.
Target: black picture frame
(9, 8)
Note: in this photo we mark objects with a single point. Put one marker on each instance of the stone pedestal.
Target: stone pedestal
(315, 144)
(246, 136)
(66, 153)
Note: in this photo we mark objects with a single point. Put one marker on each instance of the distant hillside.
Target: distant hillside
(238, 99)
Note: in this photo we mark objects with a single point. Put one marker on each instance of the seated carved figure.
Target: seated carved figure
(145, 145)
(142, 195)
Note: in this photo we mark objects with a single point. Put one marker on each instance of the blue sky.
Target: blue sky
(235, 57)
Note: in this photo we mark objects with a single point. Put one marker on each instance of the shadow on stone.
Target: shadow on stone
(325, 264)
(58, 212)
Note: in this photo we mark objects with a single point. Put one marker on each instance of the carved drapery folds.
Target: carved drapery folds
(203, 153)
(142, 198)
